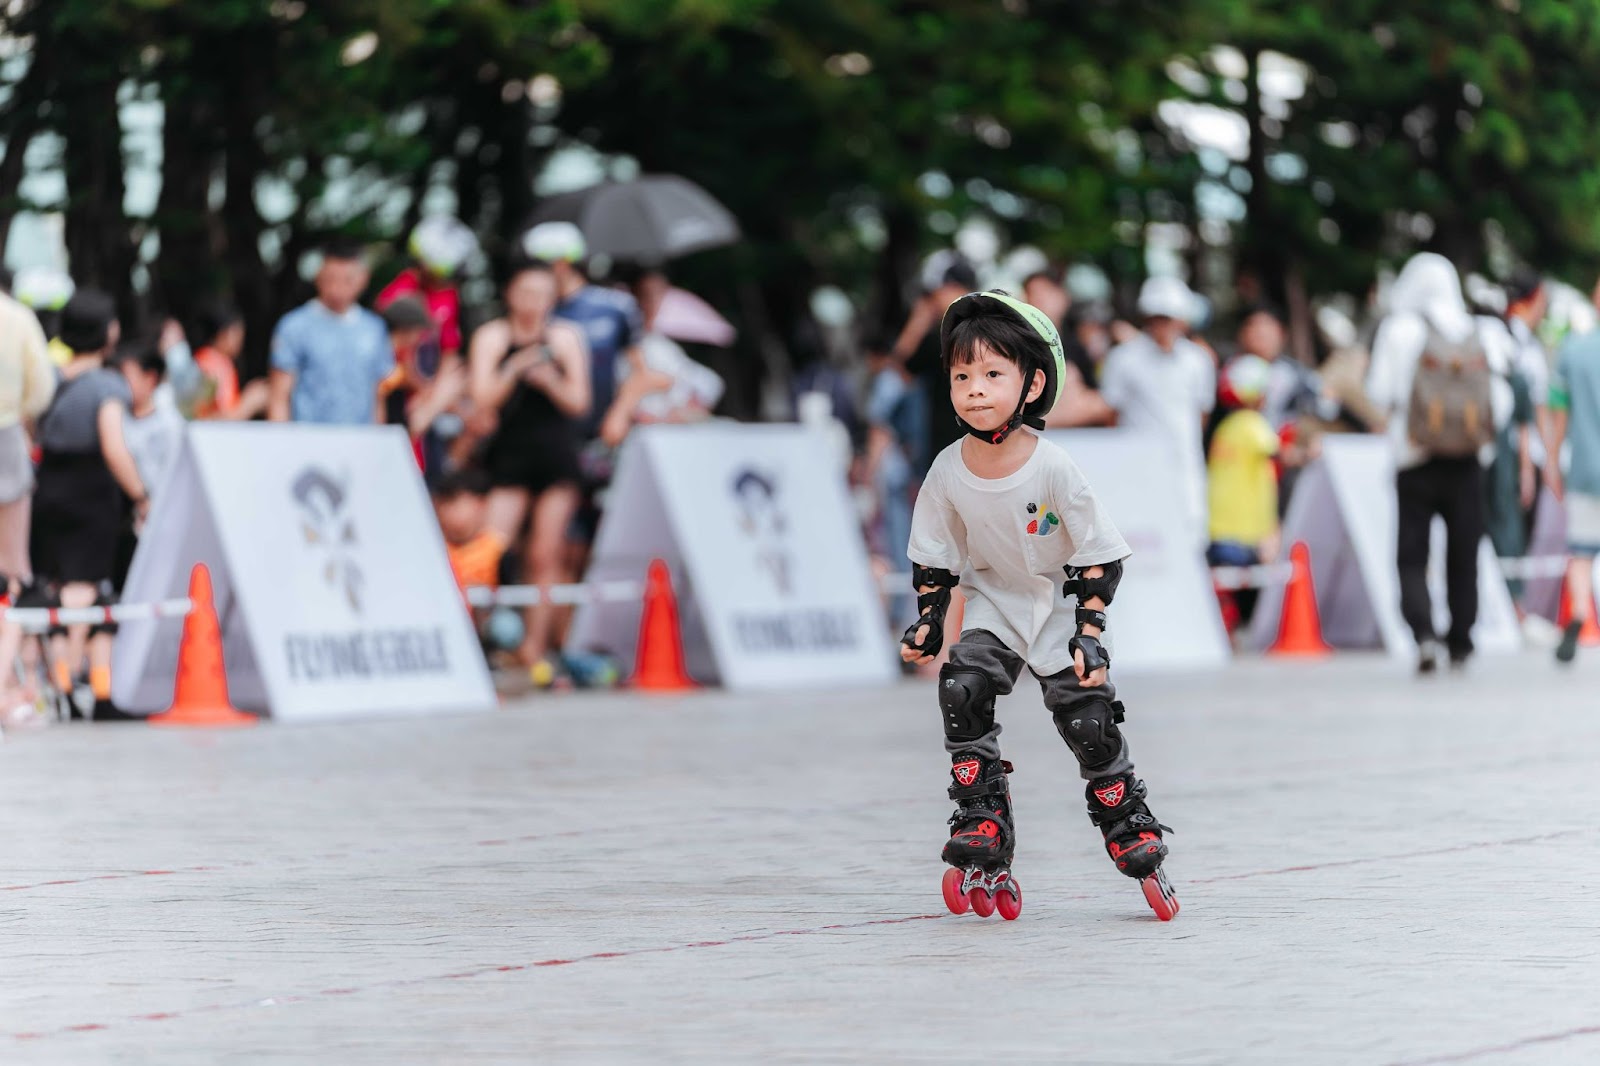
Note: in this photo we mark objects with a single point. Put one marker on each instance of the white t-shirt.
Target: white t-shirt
(1396, 349)
(1169, 393)
(1009, 539)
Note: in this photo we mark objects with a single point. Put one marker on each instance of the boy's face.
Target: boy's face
(985, 391)
(461, 517)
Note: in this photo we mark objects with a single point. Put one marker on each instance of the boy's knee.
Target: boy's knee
(1089, 727)
(966, 696)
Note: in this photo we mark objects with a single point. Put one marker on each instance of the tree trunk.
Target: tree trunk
(243, 105)
(186, 275)
(99, 246)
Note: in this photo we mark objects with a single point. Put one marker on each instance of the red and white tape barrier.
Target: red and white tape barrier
(39, 619)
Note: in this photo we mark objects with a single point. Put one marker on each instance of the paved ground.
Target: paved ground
(1372, 871)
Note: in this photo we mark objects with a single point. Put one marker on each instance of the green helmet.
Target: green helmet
(995, 302)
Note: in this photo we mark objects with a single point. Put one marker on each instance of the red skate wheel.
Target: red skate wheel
(954, 898)
(1008, 901)
(982, 902)
(1159, 895)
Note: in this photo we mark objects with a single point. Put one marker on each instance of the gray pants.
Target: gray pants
(981, 650)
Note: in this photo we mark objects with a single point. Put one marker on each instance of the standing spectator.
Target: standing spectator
(330, 354)
(27, 382)
(440, 246)
(1432, 375)
(1528, 300)
(1080, 403)
(609, 319)
(87, 477)
(1162, 382)
(1291, 386)
(946, 277)
(1575, 410)
(611, 323)
(154, 433)
(892, 465)
(411, 397)
(45, 291)
(533, 372)
(220, 328)
(1243, 480)
(155, 429)
(1342, 404)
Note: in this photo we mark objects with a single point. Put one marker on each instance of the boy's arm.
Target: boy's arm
(1095, 587)
(939, 536)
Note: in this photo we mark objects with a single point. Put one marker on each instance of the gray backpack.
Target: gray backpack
(1449, 415)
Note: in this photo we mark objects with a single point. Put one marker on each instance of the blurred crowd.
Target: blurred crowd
(515, 424)
(1244, 416)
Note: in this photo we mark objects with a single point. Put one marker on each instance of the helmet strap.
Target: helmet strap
(998, 436)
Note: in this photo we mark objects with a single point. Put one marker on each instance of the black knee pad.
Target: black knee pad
(967, 699)
(1090, 730)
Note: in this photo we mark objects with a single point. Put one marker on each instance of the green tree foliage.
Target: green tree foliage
(849, 137)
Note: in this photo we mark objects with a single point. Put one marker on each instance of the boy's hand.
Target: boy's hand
(1089, 659)
(1095, 678)
(909, 654)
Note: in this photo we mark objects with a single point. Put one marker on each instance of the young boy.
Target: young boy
(1002, 512)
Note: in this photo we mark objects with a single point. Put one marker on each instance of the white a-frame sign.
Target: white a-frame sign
(330, 577)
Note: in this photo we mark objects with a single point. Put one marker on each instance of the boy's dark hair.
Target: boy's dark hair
(213, 318)
(406, 313)
(344, 249)
(1008, 336)
(468, 481)
(86, 320)
(1043, 275)
(145, 354)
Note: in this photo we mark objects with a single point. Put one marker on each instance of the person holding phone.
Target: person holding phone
(532, 373)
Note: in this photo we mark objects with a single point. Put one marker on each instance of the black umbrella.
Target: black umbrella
(652, 219)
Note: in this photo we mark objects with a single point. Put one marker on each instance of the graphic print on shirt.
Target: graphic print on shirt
(1042, 521)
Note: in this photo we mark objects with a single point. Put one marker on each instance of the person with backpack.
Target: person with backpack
(1433, 372)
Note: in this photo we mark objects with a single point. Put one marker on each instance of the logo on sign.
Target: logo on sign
(329, 532)
(762, 519)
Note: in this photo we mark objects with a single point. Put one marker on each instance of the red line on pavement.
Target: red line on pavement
(1335, 863)
(461, 975)
(1501, 1049)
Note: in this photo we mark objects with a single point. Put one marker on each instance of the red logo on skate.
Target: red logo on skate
(1112, 794)
(966, 772)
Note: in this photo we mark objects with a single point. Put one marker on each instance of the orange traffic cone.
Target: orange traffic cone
(658, 664)
(1589, 635)
(1299, 627)
(200, 695)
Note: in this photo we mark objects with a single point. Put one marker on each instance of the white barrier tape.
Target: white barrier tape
(39, 619)
(1234, 578)
(560, 595)
(1534, 566)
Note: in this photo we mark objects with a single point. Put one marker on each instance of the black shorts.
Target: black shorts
(78, 511)
(532, 461)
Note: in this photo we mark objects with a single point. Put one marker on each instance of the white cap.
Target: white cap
(43, 288)
(1168, 298)
(442, 244)
(555, 242)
